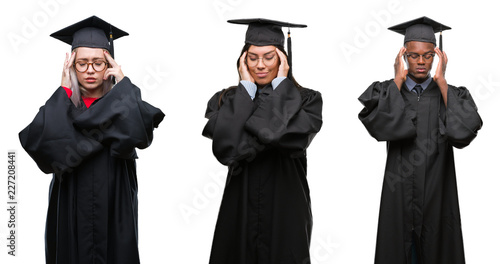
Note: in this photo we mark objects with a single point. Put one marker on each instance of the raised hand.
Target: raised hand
(68, 63)
(284, 67)
(441, 67)
(243, 69)
(399, 69)
(113, 68)
(440, 72)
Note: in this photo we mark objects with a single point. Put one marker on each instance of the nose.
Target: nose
(421, 59)
(90, 68)
(260, 63)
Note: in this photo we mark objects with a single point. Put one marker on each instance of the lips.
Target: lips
(90, 80)
(262, 74)
(421, 70)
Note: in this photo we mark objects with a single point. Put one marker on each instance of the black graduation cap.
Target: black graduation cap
(263, 32)
(421, 29)
(92, 32)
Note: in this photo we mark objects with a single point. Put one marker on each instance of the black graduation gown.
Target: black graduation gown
(92, 215)
(265, 214)
(419, 194)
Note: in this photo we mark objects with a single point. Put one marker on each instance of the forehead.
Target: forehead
(418, 46)
(89, 53)
(261, 49)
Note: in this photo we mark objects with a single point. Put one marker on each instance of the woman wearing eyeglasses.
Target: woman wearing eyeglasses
(86, 135)
(261, 129)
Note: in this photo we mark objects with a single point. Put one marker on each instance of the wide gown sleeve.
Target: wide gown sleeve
(462, 120)
(121, 120)
(52, 141)
(61, 137)
(280, 118)
(385, 114)
(285, 119)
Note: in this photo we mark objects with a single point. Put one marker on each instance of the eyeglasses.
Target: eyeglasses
(268, 60)
(426, 56)
(83, 66)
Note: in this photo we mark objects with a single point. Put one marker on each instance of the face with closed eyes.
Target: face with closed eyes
(263, 63)
(92, 79)
(419, 57)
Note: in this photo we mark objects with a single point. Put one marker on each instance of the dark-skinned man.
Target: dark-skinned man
(421, 117)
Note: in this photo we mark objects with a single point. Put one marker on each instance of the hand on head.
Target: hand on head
(284, 67)
(243, 69)
(113, 69)
(68, 63)
(399, 69)
(439, 76)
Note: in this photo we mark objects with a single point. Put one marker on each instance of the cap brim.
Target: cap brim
(66, 34)
(436, 26)
(249, 21)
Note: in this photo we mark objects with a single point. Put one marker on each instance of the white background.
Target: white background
(181, 52)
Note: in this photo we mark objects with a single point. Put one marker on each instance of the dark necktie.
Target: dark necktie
(418, 89)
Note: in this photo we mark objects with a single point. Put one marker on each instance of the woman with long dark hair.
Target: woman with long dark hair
(86, 135)
(261, 130)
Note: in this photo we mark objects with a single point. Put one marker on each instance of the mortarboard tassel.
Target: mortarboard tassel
(111, 48)
(441, 40)
(289, 48)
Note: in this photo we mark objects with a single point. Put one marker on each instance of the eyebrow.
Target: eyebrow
(95, 58)
(422, 54)
(267, 53)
